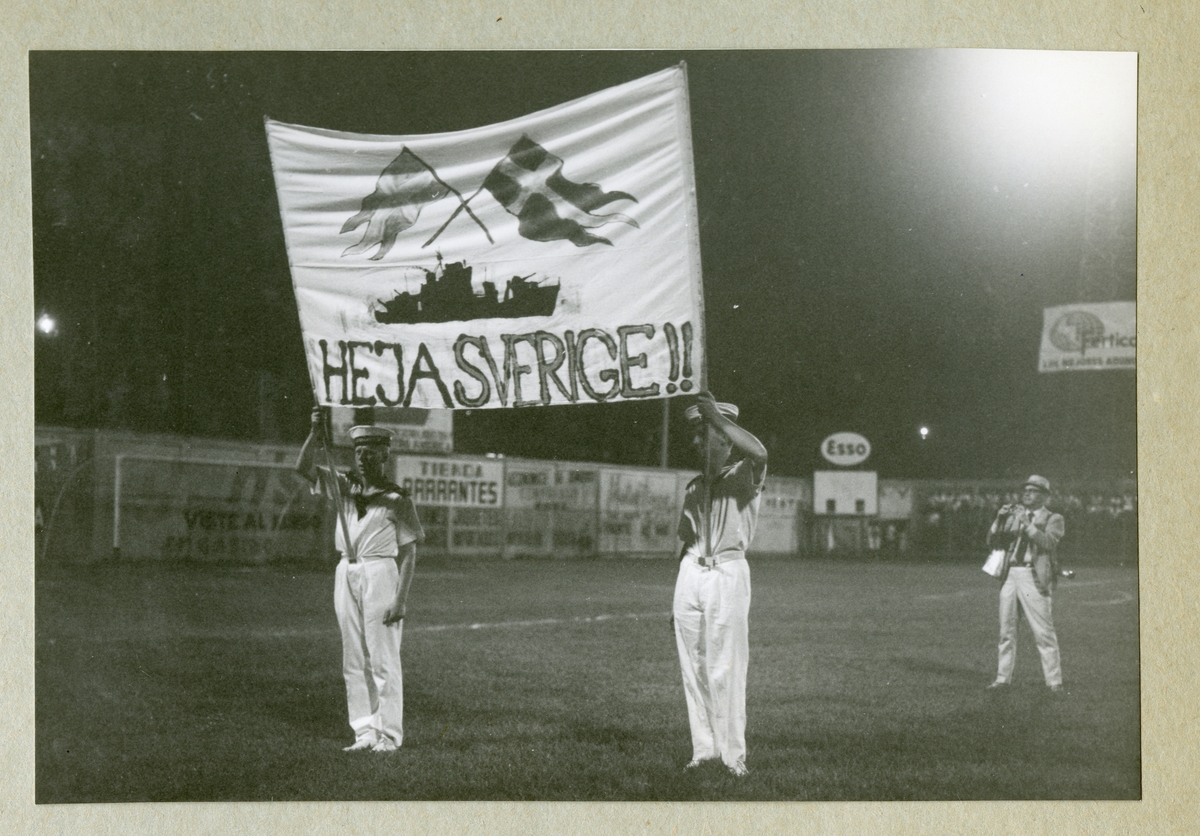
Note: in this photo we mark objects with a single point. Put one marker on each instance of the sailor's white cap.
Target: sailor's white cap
(370, 434)
(730, 411)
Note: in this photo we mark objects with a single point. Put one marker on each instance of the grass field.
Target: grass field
(553, 681)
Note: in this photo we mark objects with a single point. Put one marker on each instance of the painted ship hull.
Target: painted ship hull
(449, 297)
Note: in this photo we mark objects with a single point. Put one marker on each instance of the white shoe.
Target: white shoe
(385, 744)
(360, 745)
(738, 770)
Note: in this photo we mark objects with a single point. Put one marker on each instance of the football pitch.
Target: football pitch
(540, 680)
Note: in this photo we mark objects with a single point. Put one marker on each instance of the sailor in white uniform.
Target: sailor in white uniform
(712, 593)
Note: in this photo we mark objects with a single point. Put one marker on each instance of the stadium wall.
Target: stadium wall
(102, 495)
(129, 496)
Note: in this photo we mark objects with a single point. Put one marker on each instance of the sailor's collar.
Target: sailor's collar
(721, 474)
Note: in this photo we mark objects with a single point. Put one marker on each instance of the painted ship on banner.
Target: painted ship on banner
(446, 295)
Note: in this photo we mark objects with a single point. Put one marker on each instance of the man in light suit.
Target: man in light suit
(1029, 534)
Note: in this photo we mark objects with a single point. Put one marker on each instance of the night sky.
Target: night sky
(880, 231)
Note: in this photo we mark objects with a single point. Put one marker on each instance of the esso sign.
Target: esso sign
(845, 449)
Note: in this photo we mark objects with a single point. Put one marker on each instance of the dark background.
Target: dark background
(880, 231)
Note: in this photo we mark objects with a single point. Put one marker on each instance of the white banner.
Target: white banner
(1093, 336)
(551, 259)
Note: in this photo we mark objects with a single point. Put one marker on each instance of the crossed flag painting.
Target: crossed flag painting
(550, 259)
(530, 184)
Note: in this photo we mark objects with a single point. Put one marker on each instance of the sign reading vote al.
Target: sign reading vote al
(1089, 337)
(550, 259)
(845, 449)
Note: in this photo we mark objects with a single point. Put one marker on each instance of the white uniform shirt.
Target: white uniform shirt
(389, 520)
(735, 497)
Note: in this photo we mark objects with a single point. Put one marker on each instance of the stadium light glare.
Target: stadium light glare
(47, 325)
(1039, 111)
(924, 433)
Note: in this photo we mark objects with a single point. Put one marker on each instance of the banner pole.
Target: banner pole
(707, 498)
(116, 541)
(692, 221)
(666, 429)
(697, 273)
(337, 491)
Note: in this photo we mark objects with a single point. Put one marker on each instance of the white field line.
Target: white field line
(1121, 598)
(1063, 586)
(331, 630)
(539, 622)
(1070, 584)
(478, 625)
(946, 596)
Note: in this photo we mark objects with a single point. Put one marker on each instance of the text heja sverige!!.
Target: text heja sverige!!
(528, 367)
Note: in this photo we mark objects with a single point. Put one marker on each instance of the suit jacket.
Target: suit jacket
(1048, 529)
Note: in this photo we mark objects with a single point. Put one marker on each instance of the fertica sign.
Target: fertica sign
(845, 449)
(1089, 337)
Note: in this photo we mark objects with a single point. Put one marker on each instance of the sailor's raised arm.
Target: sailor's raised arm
(305, 462)
(742, 439)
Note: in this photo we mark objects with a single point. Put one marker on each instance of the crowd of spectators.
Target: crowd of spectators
(1101, 525)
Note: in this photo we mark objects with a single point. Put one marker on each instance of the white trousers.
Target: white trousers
(712, 626)
(1019, 587)
(370, 650)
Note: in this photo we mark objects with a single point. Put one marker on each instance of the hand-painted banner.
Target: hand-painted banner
(1091, 336)
(551, 259)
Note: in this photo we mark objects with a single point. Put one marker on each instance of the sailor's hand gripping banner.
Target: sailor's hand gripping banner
(551, 259)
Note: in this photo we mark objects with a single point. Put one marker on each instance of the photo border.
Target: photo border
(1169, 136)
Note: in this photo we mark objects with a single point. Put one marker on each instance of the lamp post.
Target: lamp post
(923, 465)
(666, 432)
(47, 368)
